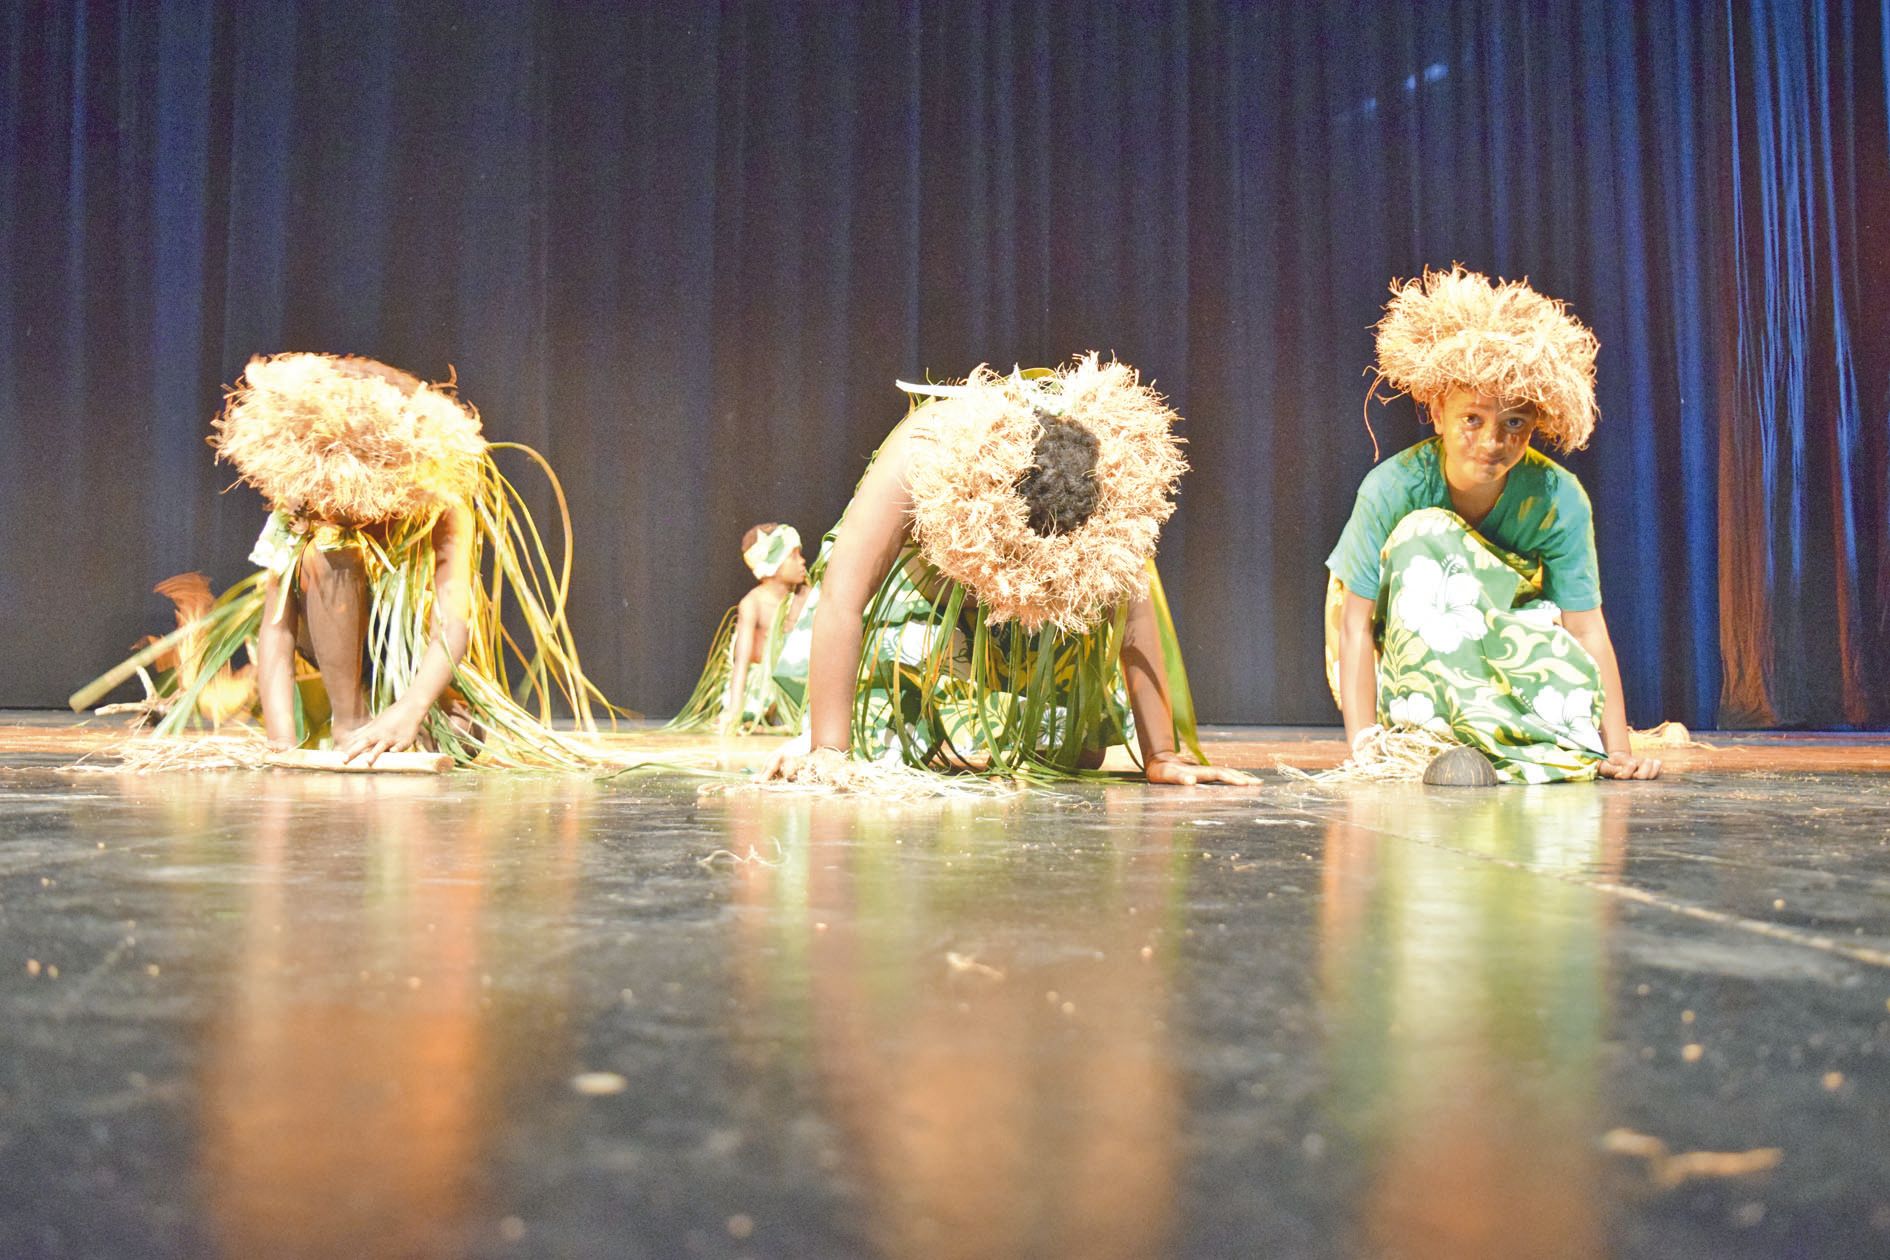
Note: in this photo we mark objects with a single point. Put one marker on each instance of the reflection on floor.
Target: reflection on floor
(295, 1015)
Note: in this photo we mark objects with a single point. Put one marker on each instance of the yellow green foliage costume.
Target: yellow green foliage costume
(989, 645)
(324, 439)
(760, 708)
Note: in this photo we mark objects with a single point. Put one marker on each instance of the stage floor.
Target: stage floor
(277, 1014)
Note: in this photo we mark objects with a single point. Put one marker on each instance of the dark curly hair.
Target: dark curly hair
(1060, 488)
(756, 531)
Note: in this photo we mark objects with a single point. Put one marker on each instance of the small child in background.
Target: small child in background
(733, 694)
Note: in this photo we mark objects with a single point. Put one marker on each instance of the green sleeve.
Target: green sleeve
(1571, 572)
(1378, 507)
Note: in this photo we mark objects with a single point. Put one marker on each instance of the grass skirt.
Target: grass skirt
(940, 688)
(521, 664)
(776, 685)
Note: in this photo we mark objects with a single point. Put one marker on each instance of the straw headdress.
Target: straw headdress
(1459, 328)
(339, 439)
(970, 521)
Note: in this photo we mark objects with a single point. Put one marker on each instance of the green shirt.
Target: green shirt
(1542, 515)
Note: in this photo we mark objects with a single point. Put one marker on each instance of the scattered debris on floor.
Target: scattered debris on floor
(599, 1084)
(1667, 1169)
(965, 963)
(752, 858)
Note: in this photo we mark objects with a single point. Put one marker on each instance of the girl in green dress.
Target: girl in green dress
(989, 600)
(1465, 597)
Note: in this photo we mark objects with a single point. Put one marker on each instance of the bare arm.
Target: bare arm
(747, 623)
(275, 664)
(1146, 678)
(863, 553)
(1358, 666)
(1590, 629)
(398, 726)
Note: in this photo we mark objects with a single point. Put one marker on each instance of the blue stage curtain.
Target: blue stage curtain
(1805, 571)
(686, 248)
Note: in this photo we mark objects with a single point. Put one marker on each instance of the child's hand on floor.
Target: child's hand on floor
(788, 758)
(1172, 769)
(395, 730)
(1628, 766)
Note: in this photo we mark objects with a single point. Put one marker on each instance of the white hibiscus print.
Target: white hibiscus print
(1570, 714)
(913, 646)
(1415, 710)
(1542, 614)
(1439, 603)
(1424, 523)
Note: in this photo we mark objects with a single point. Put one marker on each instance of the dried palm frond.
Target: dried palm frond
(232, 748)
(829, 771)
(1665, 735)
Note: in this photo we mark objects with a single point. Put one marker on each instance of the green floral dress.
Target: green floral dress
(1470, 641)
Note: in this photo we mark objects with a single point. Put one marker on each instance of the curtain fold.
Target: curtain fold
(1803, 456)
(685, 250)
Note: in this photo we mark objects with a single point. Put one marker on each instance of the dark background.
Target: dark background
(684, 249)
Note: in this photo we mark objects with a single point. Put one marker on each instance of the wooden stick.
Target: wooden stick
(88, 695)
(386, 763)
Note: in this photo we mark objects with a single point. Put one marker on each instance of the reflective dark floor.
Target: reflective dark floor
(270, 1015)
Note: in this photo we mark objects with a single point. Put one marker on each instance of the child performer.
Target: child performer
(732, 695)
(1465, 598)
(989, 592)
(383, 497)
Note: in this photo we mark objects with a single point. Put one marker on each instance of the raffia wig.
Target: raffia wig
(1460, 329)
(321, 435)
(971, 523)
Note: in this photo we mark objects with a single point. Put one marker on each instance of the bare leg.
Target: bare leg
(275, 665)
(335, 608)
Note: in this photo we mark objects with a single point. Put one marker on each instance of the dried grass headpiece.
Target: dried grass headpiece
(339, 439)
(1459, 328)
(970, 521)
